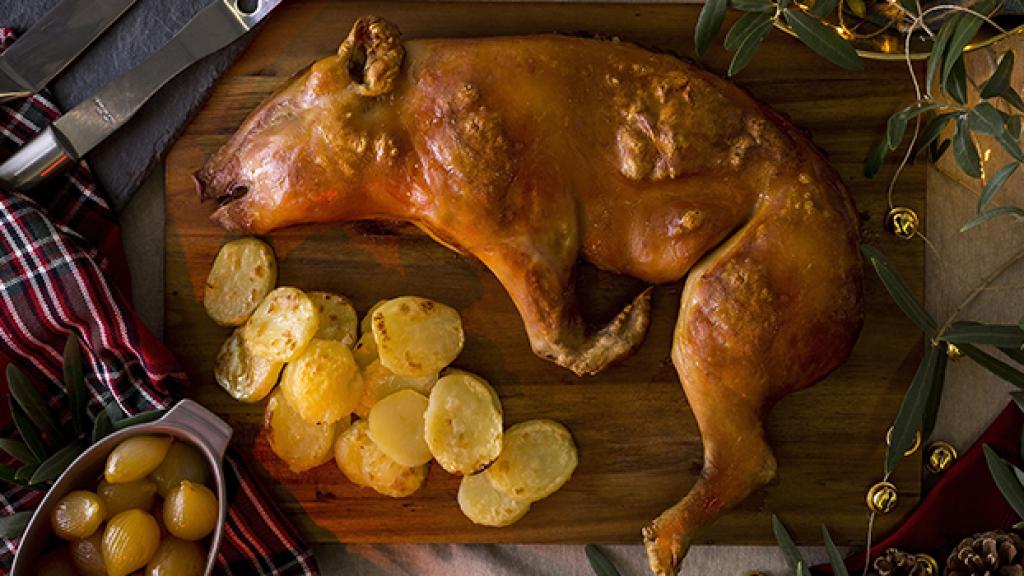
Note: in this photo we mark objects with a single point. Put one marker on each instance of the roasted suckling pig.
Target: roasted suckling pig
(531, 153)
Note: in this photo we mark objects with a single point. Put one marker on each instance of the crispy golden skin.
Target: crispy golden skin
(531, 153)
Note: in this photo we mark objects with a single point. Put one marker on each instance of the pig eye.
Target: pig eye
(234, 193)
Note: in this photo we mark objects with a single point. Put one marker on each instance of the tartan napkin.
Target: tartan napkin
(62, 269)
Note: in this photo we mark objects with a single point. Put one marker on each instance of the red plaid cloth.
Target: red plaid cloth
(62, 270)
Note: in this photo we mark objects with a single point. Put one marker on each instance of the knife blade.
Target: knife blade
(53, 42)
(89, 123)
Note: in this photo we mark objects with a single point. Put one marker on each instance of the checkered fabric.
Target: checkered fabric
(62, 270)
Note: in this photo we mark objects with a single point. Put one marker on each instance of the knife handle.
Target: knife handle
(36, 162)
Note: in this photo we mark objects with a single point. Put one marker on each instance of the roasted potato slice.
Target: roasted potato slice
(379, 382)
(363, 463)
(484, 504)
(300, 444)
(246, 377)
(463, 423)
(537, 458)
(243, 273)
(323, 384)
(365, 350)
(282, 325)
(396, 426)
(416, 336)
(366, 324)
(337, 317)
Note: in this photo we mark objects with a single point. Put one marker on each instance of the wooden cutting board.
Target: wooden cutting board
(639, 445)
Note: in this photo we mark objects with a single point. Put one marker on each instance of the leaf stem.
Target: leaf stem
(985, 283)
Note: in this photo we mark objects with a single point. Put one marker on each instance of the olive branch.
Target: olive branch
(945, 71)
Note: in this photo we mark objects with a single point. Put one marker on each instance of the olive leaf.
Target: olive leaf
(1015, 354)
(74, 382)
(993, 365)
(1012, 98)
(931, 132)
(992, 213)
(600, 563)
(899, 290)
(1010, 144)
(986, 119)
(937, 150)
(822, 39)
(27, 431)
(834, 557)
(138, 419)
(751, 32)
(1006, 475)
(967, 27)
(965, 152)
(1000, 335)
(709, 23)
(910, 417)
(753, 5)
(1012, 123)
(823, 8)
(7, 474)
(13, 526)
(102, 426)
(999, 81)
(874, 160)
(18, 450)
(857, 7)
(32, 402)
(794, 559)
(938, 52)
(897, 125)
(995, 183)
(931, 406)
(56, 464)
(955, 83)
(23, 474)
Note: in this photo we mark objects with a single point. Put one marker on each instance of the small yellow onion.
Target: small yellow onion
(120, 497)
(129, 542)
(87, 555)
(135, 458)
(57, 562)
(190, 511)
(177, 557)
(182, 462)
(77, 515)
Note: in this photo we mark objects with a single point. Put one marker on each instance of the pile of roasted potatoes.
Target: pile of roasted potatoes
(390, 371)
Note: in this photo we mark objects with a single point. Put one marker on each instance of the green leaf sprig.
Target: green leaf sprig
(750, 30)
(600, 563)
(945, 72)
(45, 449)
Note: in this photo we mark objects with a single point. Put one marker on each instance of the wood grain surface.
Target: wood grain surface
(639, 446)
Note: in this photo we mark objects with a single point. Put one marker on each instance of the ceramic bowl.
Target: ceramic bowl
(187, 421)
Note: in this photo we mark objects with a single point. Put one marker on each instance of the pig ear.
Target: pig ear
(373, 55)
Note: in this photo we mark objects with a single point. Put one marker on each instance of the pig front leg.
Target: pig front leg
(544, 292)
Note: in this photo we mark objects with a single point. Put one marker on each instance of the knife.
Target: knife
(74, 134)
(53, 43)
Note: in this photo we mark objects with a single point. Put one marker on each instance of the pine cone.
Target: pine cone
(894, 562)
(988, 554)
